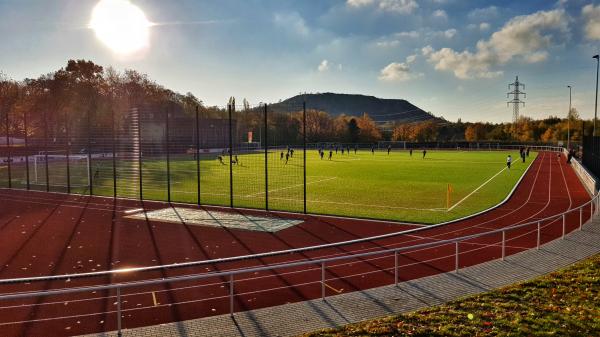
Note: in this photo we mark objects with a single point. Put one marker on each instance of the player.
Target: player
(424, 153)
(342, 151)
(508, 161)
(355, 148)
(292, 152)
(236, 159)
(330, 154)
(220, 158)
(389, 149)
(372, 149)
(321, 153)
(287, 157)
(281, 156)
(410, 152)
(527, 151)
(523, 155)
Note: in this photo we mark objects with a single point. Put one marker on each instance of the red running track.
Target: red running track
(52, 234)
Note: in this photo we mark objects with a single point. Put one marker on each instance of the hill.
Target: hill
(380, 109)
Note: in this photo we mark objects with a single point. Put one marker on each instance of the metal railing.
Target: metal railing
(320, 263)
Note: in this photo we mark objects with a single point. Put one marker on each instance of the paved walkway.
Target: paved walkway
(297, 318)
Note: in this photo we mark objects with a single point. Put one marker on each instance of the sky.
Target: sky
(453, 58)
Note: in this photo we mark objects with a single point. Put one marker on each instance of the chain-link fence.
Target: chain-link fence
(234, 156)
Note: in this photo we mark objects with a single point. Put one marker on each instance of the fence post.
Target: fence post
(46, 151)
(503, 245)
(396, 267)
(266, 161)
(119, 333)
(304, 142)
(8, 153)
(564, 224)
(68, 150)
(25, 129)
(231, 308)
(198, 154)
(539, 228)
(89, 151)
(323, 281)
(456, 257)
(114, 153)
(229, 108)
(167, 150)
(137, 115)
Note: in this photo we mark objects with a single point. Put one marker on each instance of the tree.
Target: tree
(474, 132)
(369, 132)
(353, 130)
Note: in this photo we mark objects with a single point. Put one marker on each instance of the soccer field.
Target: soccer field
(381, 186)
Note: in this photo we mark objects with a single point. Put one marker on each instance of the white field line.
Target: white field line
(361, 205)
(293, 186)
(477, 189)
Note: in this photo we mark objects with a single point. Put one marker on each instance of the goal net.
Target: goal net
(393, 144)
(58, 167)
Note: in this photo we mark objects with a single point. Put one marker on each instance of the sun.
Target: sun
(121, 26)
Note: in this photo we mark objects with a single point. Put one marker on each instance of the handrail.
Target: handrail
(280, 265)
(277, 253)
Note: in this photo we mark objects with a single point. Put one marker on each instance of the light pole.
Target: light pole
(597, 57)
(569, 121)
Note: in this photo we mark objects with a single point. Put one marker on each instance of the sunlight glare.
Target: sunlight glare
(121, 25)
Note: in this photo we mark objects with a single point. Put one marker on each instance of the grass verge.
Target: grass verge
(564, 303)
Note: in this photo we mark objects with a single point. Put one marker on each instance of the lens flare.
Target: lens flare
(121, 26)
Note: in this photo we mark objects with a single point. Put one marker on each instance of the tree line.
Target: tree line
(84, 93)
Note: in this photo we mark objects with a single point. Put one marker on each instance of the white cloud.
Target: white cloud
(395, 6)
(524, 37)
(412, 34)
(483, 13)
(440, 14)
(591, 15)
(450, 33)
(484, 26)
(399, 71)
(427, 50)
(387, 44)
(323, 66)
(292, 22)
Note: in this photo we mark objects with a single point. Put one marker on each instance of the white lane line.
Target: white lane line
(477, 189)
(293, 186)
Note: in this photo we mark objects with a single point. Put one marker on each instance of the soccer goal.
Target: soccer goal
(78, 167)
(396, 144)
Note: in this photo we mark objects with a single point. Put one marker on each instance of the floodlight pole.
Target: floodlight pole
(68, 152)
(266, 142)
(569, 121)
(597, 57)
(304, 148)
(229, 108)
(167, 149)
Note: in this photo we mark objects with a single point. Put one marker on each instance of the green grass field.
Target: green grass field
(395, 186)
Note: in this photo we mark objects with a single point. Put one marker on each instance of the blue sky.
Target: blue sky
(451, 57)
